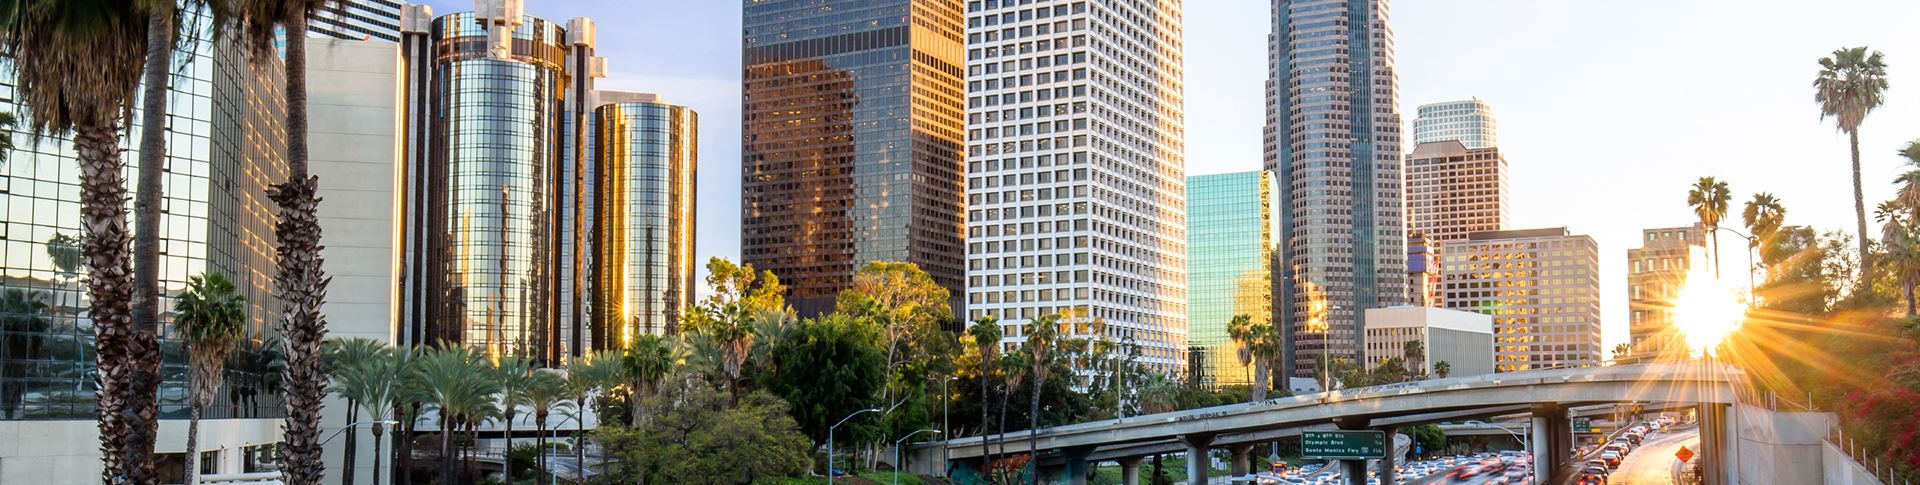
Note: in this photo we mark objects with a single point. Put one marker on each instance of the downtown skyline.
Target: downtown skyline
(1551, 108)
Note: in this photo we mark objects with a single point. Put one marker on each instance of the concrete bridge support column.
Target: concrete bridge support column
(1074, 471)
(1130, 470)
(1552, 443)
(1242, 455)
(1197, 466)
(1354, 472)
(1716, 445)
(1387, 466)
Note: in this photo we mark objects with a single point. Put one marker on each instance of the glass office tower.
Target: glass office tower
(644, 161)
(1333, 140)
(851, 142)
(495, 103)
(1232, 245)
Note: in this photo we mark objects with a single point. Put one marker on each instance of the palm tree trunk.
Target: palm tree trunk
(403, 448)
(446, 449)
(540, 441)
(302, 281)
(1005, 394)
(580, 437)
(508, 457)
(103, 189)
(1713, 232)
(1859, 207)
(377, 428)
(346, 462)
(1909, 288)
(145, 389)
(1259, 390)
(193, 444)
(1033, 431)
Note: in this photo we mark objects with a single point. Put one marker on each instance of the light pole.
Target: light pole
(830, 438)
(1526, 441)
(1751, 242)
(946, 402)
(897, 454)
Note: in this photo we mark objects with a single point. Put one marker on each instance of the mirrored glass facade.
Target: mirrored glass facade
(644, 164)
(1333, 139)
(851, 141)
(225, 146)
(498, 161)
(1232, 243)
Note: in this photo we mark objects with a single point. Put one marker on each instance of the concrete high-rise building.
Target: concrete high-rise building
(1657, 270)
(1333, 139)
(1232, 245)
(1468, 121)
(643, 264)
(852, 142)
(1453, 191)
(1542, 288)
(357, 20)
(226, 146)
(1076, 169)
(1463, 340)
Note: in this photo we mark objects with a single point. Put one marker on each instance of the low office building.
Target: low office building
(1463, 341)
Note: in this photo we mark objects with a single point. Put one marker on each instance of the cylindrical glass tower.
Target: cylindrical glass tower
(644, 199)
(498, 144)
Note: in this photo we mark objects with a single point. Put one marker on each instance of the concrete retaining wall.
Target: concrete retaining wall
(1839, 469)
(1779, 446)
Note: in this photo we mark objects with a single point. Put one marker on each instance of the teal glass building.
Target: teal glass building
(1232, 246)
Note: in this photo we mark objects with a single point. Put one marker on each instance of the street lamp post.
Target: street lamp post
(1751, 242)
(898, 455)
(946, 402)
(830, 438)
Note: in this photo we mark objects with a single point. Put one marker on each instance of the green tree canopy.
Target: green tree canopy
(832, 365)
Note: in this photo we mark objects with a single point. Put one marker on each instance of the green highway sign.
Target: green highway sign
(1582, 425)
(1345, 445)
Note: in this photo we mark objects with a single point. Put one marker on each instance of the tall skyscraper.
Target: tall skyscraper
(357, 20)
(1423, 271)
(643, 265)
(1453, 191)
(1333, 139)
(500, 85)
(1076, 168)
(1468, 121)
(1657, 270)
(1232, 245)
(1542, 288)
(851, 143)
(226, 146)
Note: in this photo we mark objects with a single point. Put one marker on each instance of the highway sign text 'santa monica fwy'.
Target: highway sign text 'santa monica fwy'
(1350, 445)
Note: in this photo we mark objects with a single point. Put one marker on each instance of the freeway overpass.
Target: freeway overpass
(1545, 395)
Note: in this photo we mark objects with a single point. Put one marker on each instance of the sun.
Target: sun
(1707, 310)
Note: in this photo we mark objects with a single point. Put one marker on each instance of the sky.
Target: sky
(1607, 110)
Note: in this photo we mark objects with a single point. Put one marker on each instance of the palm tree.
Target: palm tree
(1851, 84)
(1258, 344)
(1708, 198)
(349, 351)
(212, 317)
(1763, 216)
(7, 122)
(301, 279)
(730, 329)
(588, 377)
(1621, 352)
(1909, 182)
(453, 382)
(986, 335)
(513, 373)
(545, 393)
(1415, 353)
(369, 375)
(1442, 368)
(77, 64)
(648, 361)
(1042, 335)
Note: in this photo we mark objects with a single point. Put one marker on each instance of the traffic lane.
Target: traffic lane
(1652, 463)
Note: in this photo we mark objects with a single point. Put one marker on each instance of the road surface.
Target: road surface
(1653, 462)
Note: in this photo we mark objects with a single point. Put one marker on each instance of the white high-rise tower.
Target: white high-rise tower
(1076, 170)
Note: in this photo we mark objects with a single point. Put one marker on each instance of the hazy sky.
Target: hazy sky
(1607, 109)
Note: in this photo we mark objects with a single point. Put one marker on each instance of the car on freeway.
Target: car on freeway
(1597, 470)
(1612, 459)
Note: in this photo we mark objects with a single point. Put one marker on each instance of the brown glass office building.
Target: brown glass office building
(852, 141)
